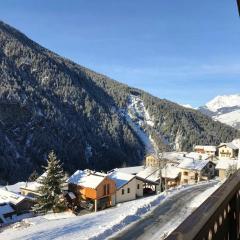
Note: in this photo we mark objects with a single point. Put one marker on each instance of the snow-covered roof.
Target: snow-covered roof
(31, 186)
(230, 145)
(147, 172)
(173, 156)
(206, 148)
(130, 170)
(15, 187)
(120, 178)
(197, 156)
(87, 178)
(152, 174)
(170, 171)
(34, 186)
(10, 197)
(188, 163)
(226, 163)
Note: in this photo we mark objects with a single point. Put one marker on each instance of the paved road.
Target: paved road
(168, 214)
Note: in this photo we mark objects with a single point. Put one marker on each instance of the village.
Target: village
(88, 190)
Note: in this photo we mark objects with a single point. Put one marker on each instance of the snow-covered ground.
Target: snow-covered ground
(231, 118)
(197, 201)
(138, 118)
(184, 213)
(100, 225)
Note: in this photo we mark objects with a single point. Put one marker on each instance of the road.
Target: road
(167, 215)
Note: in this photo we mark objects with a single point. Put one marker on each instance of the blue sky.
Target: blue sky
(186, 51)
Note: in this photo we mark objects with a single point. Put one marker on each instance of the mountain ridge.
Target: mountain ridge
(49, 102)
(225, 109)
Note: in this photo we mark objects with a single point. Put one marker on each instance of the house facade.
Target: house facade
(93, 188)
(128, 186)
(227, 151)
(151, 161)
(203, 149)
(196, 170)
(171, 175)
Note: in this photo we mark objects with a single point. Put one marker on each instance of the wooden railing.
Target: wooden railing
(218, 218)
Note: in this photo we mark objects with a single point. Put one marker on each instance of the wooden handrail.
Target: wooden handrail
(216, 218)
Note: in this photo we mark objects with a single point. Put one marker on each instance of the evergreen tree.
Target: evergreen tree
(51, 185)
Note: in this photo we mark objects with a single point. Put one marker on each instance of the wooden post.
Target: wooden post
(95, 205)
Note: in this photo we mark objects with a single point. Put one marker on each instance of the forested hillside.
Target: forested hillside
(50, 103)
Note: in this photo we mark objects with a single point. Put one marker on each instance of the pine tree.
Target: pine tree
(51, 185)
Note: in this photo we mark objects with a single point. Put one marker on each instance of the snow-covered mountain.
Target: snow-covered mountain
(225, 109)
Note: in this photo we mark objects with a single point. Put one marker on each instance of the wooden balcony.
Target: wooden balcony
(218, 218)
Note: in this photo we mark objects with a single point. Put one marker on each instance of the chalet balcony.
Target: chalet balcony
(218, 218)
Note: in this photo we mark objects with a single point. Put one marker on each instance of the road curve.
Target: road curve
(152, 226)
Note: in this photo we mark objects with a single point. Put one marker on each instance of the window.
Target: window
(138, 186)
(106, 189)
(186, 181)
(185, 173)
(122, 191)
(128, 190)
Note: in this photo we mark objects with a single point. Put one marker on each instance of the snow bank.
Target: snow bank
(197, 201)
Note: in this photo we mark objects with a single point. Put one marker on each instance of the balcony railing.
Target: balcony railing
(218, 218)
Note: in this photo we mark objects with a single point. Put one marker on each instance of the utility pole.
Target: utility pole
(160, 166)
(159, 157)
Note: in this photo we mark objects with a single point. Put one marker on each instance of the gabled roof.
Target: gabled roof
(131, 170)
(206, 148)
(152, 174)
(230, 145)
(10, 197)
(191, 164)
(170, 171)
(31, 186)
(120, 178)
(87, 178)
(198, 156)
(147, 172)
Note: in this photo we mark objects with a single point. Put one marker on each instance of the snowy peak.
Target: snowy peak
(223, 102)
(225, 109)
(187, 106)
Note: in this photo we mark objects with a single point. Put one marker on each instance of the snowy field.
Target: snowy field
(100, 225)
